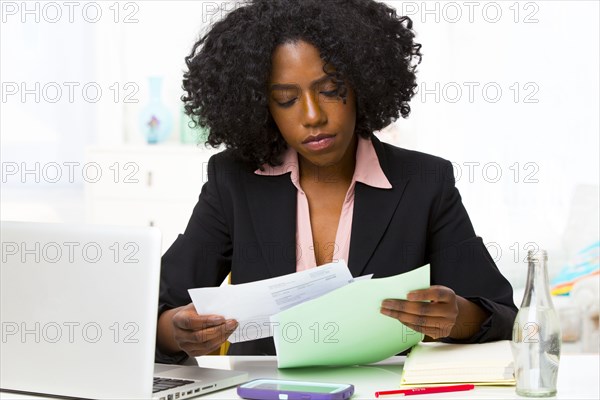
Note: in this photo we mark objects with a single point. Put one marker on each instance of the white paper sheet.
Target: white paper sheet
(252, 304)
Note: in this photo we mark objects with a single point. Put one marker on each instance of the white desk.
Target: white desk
(578, 378)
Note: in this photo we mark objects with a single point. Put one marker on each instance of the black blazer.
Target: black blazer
(245, 224)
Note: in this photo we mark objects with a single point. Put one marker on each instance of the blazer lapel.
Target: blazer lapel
(272, 203)
(373, 211)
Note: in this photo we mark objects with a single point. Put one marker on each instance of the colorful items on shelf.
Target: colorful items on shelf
(584, 264)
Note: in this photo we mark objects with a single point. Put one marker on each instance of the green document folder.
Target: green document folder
(345, 327)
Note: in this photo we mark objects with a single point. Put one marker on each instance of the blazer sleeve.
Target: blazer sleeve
(460, 260)
(200, 257)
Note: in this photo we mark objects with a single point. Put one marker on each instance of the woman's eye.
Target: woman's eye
(330, 93)
(281, 97)
(286, 104)
(330, 90)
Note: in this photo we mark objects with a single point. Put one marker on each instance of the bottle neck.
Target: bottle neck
(155, 84)
(537, 291)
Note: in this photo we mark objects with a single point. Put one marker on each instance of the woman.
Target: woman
(295, 90)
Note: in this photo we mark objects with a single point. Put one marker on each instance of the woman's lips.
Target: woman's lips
(319, 142)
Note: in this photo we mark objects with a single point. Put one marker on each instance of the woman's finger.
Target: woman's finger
(437, 293)
(417, 307)
(434, 333)
(189, 320)
(420, 320)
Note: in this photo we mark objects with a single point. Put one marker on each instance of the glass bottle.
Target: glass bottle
(536, 333)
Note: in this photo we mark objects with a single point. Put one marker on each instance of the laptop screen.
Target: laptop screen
(79, 309)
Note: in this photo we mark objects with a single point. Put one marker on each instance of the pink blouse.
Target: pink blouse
(367, 170)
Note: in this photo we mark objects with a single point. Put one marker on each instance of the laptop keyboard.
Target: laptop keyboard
(161, 384)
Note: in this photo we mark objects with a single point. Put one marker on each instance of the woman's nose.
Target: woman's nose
(313, 113)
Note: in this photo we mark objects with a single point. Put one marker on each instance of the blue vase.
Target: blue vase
(156, 121)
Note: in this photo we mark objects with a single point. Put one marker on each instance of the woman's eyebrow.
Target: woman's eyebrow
(284, 86)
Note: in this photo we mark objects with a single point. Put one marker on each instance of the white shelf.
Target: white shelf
(146, 185)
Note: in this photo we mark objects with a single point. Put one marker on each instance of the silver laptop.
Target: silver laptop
(79, 312)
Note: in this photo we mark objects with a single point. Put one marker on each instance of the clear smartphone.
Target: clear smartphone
(277, 389)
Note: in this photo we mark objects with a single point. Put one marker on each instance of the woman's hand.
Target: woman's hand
(435, 318)
(195, 334)
(436, 312)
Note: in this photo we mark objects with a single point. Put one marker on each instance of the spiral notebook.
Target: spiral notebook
(443, 363)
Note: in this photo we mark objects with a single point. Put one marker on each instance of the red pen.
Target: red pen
(426, 390)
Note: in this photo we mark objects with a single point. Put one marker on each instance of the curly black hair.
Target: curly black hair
(226, 83)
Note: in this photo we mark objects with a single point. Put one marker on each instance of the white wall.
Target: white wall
(549, 49)
(551, 130)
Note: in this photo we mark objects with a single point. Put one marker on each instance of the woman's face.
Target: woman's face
(305, 105)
